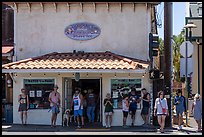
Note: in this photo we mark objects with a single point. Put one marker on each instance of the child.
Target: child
(125, 104)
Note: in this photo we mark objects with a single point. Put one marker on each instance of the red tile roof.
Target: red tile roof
(7, 49)
(79, 60)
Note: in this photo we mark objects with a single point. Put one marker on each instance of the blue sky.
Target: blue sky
(179, 9)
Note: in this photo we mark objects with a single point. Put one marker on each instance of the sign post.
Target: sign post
(186, 50)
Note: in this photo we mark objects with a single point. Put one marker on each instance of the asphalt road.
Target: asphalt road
(99, 133)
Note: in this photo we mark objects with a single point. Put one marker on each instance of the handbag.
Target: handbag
(163, 109)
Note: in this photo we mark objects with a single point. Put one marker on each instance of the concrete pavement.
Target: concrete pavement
(16, 129)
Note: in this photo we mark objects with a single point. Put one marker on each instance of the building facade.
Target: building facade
(194, 14)
(7, 57)
(99, 46)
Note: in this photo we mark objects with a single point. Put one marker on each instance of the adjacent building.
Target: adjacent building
(100, 46)
(7, 57)
(194, 14)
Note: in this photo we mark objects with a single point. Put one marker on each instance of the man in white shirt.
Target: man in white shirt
(77, 101)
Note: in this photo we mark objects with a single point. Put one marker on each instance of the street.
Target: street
(99, 133)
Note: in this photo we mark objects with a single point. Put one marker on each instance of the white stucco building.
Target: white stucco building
(194, 15)
(117, 57)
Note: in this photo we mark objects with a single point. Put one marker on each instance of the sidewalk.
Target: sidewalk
(192, 125)
(93, 128)
(88, 128)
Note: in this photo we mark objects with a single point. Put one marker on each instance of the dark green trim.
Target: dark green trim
(196, 37)
(186, 21)
(197, 18)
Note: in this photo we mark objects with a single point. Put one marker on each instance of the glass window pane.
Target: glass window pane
(38, 91)
(119, 87)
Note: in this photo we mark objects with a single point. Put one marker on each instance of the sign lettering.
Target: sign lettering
(82, 31)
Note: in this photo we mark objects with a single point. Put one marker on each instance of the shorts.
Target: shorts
(179, 112)
(161, 114)
(108, 113)
(125, 113)
(22, 107)
(132, 111)
(78, 112)
(55, 109)
(145, 111)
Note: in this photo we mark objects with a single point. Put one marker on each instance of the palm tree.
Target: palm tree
(161, 46)
(177, 41)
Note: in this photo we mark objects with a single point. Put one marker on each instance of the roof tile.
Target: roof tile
(7, 49)
(91, 60)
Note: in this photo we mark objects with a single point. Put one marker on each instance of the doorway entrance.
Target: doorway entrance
(85, 85)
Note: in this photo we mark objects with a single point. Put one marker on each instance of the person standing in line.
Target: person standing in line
(125, 104)
(146, 106)
(77, 102)
(180, 103)
(161, 108)
(108, 103)
(97, 109)
(91, 105)
(84, 93)
(54, 99)
(133, 99)
(197, 111)
(23, 105)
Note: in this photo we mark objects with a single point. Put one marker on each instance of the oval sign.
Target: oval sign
(82, 31)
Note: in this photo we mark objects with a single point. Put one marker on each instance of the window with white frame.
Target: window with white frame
(199, 9)
(119, 87)
(38, 92)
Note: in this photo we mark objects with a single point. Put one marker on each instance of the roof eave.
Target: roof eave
(11, 3)
(74, 70)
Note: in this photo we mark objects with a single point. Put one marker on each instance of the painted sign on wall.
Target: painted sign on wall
(82, 31)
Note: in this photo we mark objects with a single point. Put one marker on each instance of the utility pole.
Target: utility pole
(168, 57)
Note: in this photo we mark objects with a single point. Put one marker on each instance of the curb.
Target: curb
(43, 128)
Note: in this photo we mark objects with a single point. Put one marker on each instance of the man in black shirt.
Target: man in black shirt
(91, 105)
(133, 99)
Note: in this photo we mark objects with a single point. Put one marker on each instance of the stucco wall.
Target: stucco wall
(195, 69)
(39, 32)
(196, 32)
(40, 116)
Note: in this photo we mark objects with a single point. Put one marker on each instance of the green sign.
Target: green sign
(39, 81)
(126, 81)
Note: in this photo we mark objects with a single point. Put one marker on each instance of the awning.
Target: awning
(77, 62)
(7, 49)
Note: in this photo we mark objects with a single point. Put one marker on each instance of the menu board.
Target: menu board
(39, 93)
(32, 93)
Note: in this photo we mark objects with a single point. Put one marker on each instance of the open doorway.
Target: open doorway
(86, 85)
